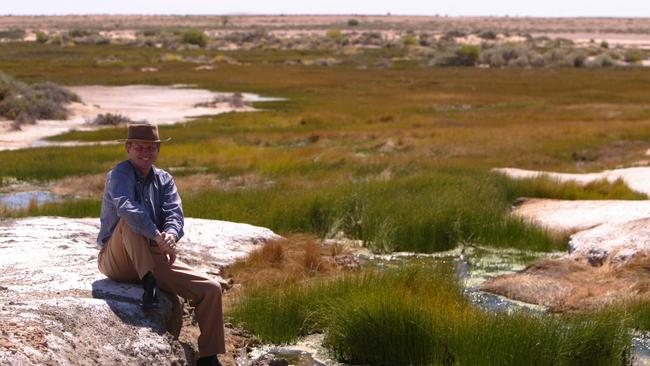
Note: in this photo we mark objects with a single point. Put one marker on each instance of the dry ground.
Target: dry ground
(519, 24)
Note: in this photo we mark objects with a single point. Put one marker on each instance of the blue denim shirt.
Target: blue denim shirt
(149, 204)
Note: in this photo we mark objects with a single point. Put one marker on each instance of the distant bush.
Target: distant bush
(235, 100)
(634, 55)
(41, 37)
(409, 40)
(369, 39)
(22, 102)
(509, 55)
(82, 36)
(454, 33)
(603, 60)
(59, 39)
(604, 44)
(195, 37)
(110, 119)
(80, 33)
(466, 55)
(150, 33)
(353, 22)
(248, 37)
(576, 59)
(335, 35)
(13, 34)
(491, 35)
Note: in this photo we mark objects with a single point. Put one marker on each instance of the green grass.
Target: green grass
(547, 187)
(420, 213)
(417, 316)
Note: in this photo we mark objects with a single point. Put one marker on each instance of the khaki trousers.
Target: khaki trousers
(127, 257)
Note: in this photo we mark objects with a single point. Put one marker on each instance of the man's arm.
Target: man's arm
(172, 210)
(120, 189)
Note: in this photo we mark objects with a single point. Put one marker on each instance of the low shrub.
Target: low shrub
(41, 37)
(576, 59)
(634, 55)
(194, 37)
(466, 55)
(454, 33)
(29, 102)
(13, 34)
(334, 35)
(488, 35)
(110, 119)
(370, 39)
(603, 60)
(79, 33)
(409, 40)
(510, 55)
(353, 22)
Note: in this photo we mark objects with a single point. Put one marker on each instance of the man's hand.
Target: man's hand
(167, 244)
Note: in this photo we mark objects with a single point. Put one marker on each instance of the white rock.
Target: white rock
(56, 308)
(616, 242)
(637, 178)
(571, 216)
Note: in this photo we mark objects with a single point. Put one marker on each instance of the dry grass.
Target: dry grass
(84, 186)
(566, 284)
(198, 182)
(295, 259)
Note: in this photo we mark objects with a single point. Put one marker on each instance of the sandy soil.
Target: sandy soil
(614, 39)
(156, 104)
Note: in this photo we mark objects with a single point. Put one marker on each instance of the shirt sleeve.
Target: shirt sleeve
(121, 193)
(172, 210)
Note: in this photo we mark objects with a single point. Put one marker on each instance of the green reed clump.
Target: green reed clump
(416, 316)
(547, 187)
(423, 213)
(544, 339)
(636, 313)
(286, 311)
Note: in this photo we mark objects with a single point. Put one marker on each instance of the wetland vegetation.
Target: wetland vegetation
(395, 154)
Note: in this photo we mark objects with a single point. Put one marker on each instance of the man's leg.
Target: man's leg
(205, 294)
(126, 256)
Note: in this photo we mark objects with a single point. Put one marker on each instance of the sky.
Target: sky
(539, 8)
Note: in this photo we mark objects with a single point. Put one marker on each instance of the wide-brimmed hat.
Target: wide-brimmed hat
(143, 132)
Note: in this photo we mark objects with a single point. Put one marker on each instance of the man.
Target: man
(141, 222)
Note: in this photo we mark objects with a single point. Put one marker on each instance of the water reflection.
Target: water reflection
(21, 200)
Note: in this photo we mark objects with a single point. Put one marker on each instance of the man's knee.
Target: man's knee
(212, 288)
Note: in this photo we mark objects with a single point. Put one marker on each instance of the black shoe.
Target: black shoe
(150, 299)
(208, 361)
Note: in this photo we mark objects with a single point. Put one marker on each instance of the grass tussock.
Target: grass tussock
(423, 213)
(416, 316)
(295, 259)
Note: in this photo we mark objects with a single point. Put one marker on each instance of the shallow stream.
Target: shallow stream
(22, 200)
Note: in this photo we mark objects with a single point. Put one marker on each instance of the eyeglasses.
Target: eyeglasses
(144, 148)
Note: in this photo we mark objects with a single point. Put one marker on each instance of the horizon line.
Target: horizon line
(385, 15)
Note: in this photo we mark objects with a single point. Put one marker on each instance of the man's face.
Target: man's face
(143, 154)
